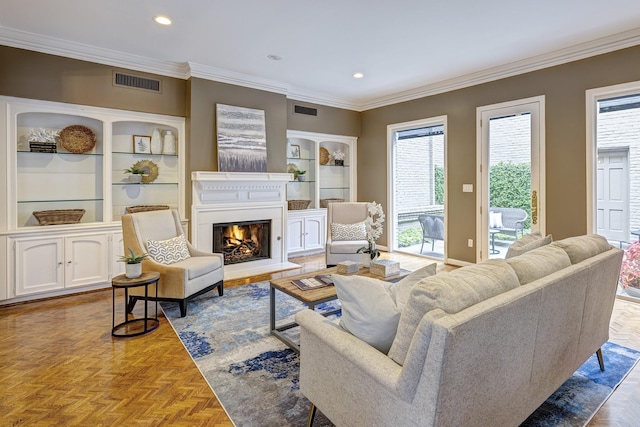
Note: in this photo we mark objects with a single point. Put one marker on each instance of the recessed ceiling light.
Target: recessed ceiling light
(162, 20)
(358, 75)
(274, 57)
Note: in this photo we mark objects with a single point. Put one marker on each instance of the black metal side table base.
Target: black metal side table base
(148, 323)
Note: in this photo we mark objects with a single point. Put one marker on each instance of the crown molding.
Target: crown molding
(185, 70)
(558, 57)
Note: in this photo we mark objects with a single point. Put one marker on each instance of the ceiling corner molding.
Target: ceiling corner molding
(322, 99)
(68, 49)
(559, 57)
(235, 78)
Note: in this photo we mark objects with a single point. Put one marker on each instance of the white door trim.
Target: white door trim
(482, 158)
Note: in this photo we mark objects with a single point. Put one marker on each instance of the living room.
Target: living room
(35, 75)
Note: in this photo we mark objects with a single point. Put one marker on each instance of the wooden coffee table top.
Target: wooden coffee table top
(326, 293)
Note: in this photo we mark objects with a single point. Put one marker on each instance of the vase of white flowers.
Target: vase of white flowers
(373, 225)
(338, 157)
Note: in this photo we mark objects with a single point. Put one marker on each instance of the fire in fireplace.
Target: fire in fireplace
(242, 241)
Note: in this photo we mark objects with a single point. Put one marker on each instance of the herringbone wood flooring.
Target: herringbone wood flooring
(59, 365)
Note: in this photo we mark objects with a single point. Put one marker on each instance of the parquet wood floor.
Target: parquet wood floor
(59, 365)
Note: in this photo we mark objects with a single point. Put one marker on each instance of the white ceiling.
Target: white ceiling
(405, 48)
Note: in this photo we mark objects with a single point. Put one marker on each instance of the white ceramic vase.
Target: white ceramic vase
(169, 143)
(133, 270)
(156, 142)
(135, 178)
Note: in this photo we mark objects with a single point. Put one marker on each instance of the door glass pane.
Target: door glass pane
(419, 190)
(509, 181)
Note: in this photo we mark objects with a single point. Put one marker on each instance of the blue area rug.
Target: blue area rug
(255, 376)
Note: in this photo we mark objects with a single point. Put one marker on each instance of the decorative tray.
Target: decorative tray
(77, 139)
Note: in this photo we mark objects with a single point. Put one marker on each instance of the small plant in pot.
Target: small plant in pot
(133, 266)
(136, 174)
(300, 175)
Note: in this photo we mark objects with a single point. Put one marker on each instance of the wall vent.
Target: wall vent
(299, 109)
(136, 82)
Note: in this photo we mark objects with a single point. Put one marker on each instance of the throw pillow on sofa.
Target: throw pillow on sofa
(168, 251)
(344, 232)
(371, 307)
(527, 243)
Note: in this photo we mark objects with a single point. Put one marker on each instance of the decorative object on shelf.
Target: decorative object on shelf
(146, 208)
(373, 223)
(630, 271)
(296, 205)
(384, 267)
(156, 142)
(141, 144)
(294, 151)
(77, 139)
(43, 140)
(324, 203)
(324, 156)
(242, 139)
(292, 168)
(150, 170)
(169, 143)
(59, 216)
(136, 174)
(300, 175)
(133, 267)
(338, 157)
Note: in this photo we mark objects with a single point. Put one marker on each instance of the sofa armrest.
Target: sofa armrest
(376, 365)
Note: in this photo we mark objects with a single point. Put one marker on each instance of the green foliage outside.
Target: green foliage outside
(409, 237)
(510, 187)
(438, 177)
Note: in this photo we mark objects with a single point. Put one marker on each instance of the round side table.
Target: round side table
(149, 323)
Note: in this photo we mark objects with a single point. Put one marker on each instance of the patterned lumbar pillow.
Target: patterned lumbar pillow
(357, 231)
(168, 251)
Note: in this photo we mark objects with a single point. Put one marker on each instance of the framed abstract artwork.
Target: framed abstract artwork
(242, 139)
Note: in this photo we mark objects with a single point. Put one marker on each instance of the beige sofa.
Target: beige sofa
(481, 345)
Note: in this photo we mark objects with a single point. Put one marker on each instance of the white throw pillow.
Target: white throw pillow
(343, 232)
(495, 220)
(168, 251)
(371, 307)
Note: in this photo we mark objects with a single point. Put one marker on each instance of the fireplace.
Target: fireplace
(242, 241)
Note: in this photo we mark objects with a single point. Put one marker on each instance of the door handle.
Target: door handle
(534, 207)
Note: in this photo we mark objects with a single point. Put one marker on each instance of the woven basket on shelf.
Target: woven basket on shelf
(324, 203)
(59, 216)
(296, 205)
(146, 208)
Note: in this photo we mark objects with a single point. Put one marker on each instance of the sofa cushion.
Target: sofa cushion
(527, 243)
(451, 292)
(342, 232)
(580, 248)
(538, 263)
(168, 251)
(371, 307)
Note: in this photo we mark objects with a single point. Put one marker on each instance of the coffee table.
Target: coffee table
(311, 297)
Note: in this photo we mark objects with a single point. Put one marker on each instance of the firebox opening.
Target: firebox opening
(242, 241)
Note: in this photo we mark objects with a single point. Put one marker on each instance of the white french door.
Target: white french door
(510, 141)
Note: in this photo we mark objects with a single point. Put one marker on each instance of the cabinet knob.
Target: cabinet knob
(278, 238)
(60, 263)
(68, 262)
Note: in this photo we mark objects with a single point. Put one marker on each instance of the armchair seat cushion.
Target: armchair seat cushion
(199, 266)
(347, 246)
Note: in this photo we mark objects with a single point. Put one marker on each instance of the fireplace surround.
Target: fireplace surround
(239, 197)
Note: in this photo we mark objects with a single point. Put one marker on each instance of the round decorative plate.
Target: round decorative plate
(324, 156)
(77, 139)
(150, 170)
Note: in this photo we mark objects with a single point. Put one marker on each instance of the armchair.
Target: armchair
(179, 281)
(345, 213)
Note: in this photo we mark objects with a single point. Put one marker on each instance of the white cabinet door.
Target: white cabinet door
(314, 232)
(295, 235)
(39, 265)
(117, 250)
(85, 259)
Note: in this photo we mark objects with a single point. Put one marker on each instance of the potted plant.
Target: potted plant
(630, 270)
(133, 266)
(373, 223)
(300, 175)
(338, 157)
(136, 174)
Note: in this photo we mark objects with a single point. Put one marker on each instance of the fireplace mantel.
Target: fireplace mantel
(219, 197)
